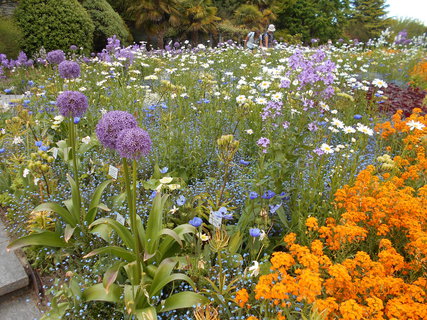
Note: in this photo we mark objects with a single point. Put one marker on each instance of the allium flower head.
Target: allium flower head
(72, 104)
(133, 143)
(110, 125)
(55, 56)
(69, 69)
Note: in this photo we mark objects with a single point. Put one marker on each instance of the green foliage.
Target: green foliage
(107, 23)
(368, 19)
(322, 20)
(413, 27)
(10, 36)
(54, 25)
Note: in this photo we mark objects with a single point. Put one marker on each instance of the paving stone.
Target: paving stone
(12, 274)
(20, 305)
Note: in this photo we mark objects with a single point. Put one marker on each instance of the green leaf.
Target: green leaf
(115, 251)
(167, 243)
(235, 242)
(94, 204)
(154, 224)
(111, 275)
(121, 230)
(172, 234)
(45, 238)
(62, 212)
(163, 276)
(75, 197)
(182, 300)
(103, 231)
(146, 314)
(98, 293)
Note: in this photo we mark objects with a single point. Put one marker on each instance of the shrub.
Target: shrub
(54, 25)
(10, 35)
(107, 23)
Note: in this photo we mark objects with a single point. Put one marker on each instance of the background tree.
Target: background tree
(107, 23)
(322, 19)
(368, 19)
(199, 17)
(54, 25)
(155, 17)
(414, 27)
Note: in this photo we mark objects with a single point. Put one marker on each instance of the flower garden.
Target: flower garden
(219, 183)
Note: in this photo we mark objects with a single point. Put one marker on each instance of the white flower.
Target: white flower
(173, 210)
(262, 235)
(364, 129)
(337, 123)
(17, 140)
(264, 85)
(415, 125)
(241, 99)
(151, 77)
(203, 236)
(86, 140)
(174, 186)
(36, 181)
(277, 96)
(166, 180)
(326, 148)
(254, 269)
(379, 83)
(349, 130)
(249, 131)
(261, 100)
(3, 131)
(26, 172)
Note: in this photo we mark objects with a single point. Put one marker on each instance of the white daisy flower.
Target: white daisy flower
(415, 125)
(326, 148)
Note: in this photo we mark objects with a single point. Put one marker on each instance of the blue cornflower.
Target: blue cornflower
(253, 195)
(244, 162)
(268, 194)
(181, 200)
(164, 169)
(153, 194)
(76, 120)
(255, 232)
(39, 144)
(2, 150)
(196, 222)
(44, 148)
(357, 116)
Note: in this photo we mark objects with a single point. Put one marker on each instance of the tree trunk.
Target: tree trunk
(195, 38)
(160, 40)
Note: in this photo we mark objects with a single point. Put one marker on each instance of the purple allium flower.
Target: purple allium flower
(196, 222)
(69, 69)
(56, 56)
(133, 143)
(176, 44)
(255, 232)
(73, 47)
(110, 125)
(72, 104)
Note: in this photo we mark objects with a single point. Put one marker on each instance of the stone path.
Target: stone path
(16, 299)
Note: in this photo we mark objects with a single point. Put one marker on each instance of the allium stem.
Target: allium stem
(131, 198)
(73, 137)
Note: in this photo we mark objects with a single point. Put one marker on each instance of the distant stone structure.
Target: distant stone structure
(7, 7)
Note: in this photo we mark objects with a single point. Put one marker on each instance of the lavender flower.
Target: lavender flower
(69, 69)
(72, 104)
(56, 56)
(133, 143)
(109, 127)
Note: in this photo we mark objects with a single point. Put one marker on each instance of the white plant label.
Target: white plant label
(113, 172)
(55, 153)
(120, 219)
(215, 220)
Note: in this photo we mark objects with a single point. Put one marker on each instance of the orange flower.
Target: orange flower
(241, 298)
(311, 224)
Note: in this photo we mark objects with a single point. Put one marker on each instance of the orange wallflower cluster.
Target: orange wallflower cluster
(419, 72)
(383, 234)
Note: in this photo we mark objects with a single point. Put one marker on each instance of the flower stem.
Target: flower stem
(73, 137)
